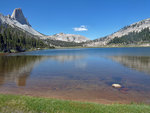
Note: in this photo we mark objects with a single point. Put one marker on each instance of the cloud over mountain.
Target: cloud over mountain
(81, 28)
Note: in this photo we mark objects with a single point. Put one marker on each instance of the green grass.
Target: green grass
(25, 104)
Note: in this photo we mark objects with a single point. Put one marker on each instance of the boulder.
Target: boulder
(116, 85)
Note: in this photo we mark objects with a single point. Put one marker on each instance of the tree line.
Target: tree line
(14, 39)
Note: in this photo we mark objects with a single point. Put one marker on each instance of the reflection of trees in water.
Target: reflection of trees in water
(16, 68)
(139, 63)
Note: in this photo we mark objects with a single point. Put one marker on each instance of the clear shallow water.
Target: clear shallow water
(79, 74)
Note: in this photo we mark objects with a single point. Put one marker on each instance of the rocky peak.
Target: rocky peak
(18, 15)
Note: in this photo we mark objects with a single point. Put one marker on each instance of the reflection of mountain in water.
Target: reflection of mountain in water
(139, 63)
(17, 68)
(66, 58)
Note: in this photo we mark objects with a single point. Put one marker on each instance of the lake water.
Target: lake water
(79, 74)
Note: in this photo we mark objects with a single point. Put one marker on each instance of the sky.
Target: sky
(90, 18)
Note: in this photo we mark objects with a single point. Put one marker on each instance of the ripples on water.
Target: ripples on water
(79, 74)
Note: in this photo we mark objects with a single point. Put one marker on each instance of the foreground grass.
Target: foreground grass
(25, 104)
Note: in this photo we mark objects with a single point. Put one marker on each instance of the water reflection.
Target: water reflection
(66, 58)
(17, 68)
(139, 63)
(76, 75)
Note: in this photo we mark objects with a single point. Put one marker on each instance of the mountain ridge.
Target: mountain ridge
(67, 38)
(17, 19)
(135, 27)
(4, 20)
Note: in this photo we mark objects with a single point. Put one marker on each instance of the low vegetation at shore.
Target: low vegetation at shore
(25, 104)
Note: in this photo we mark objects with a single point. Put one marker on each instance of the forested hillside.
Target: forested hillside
(13, 39)
(133, 38)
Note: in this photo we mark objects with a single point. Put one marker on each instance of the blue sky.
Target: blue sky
(90, 18)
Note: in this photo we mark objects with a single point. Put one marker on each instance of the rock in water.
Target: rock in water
(116, 85)
(18, 15)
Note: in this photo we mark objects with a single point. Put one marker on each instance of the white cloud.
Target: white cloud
(81, 28)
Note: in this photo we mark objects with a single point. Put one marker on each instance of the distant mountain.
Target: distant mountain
(133, 30)
(17, 20)
(137, 33)
(67, 38)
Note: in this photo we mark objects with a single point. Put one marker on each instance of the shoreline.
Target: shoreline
(99, 101)
(6, 53)
(104, 98)
(102, 101)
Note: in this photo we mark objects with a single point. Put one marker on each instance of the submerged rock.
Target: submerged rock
(124, 90)
(116, 85)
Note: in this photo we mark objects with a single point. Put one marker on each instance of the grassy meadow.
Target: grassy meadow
(26, 104)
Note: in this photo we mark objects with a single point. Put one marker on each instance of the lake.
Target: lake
(85, 74)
